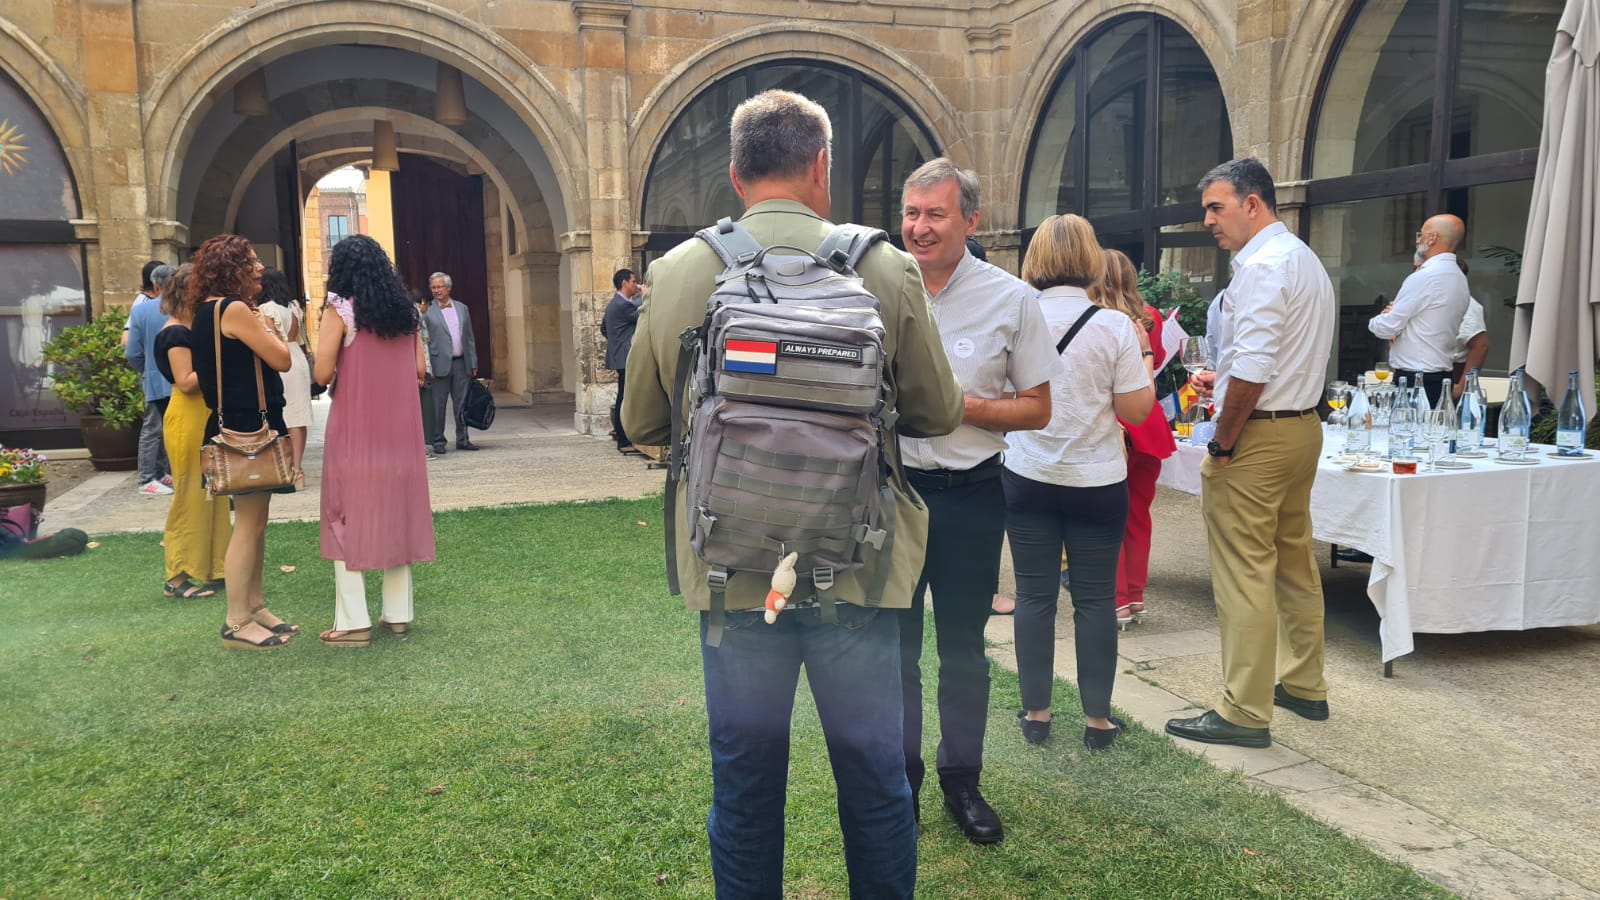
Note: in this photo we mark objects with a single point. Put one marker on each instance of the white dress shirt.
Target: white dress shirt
(1274, 324)
(1082, 445)
(1425, 316)
(995, 336)
(1472, 325)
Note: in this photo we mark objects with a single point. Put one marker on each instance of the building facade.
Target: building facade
(542, 144)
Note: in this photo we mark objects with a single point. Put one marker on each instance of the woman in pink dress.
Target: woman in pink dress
(375, 508)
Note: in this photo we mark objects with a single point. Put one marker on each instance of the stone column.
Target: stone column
(991, 118)
(116, 149)
(608, 245)
(538, 276)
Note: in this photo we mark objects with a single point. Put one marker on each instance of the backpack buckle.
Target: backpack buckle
(873, 536)
(707, 522)
(717, 578)
(690, 337)
(822, 578)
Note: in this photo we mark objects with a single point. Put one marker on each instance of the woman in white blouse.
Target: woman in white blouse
(1066, 484)
(277, 304)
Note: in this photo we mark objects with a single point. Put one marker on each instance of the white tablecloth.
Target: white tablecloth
(1490, 548)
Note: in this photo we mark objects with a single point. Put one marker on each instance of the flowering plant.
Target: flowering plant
(21, 466)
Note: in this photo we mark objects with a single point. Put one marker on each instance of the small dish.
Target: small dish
(1369, 466)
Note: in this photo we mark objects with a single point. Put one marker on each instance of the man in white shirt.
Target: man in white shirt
(1472, 341)
(995, 336)
(1273, 330)
(1426, 314)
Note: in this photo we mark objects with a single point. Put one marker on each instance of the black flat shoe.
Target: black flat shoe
(973, 814)
(467, 445)
(1033, 731)
(231, 640)
(1103, 738)
(1315, 710)
(1214, 729)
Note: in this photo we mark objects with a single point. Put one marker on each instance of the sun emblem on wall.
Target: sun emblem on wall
(11, 147)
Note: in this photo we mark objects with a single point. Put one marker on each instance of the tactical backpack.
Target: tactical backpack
(788, 427)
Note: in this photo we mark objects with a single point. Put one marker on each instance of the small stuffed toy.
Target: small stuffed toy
(783, 580)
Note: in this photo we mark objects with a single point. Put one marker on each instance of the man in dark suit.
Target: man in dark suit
(454, 357)
(617, 328)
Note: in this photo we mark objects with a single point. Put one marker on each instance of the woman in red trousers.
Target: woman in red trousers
(1148, 444)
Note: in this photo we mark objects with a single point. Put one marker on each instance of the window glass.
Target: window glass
(1366, 246)
(1377, 105)
(1118, 68)
(1052, 166)
(1499, 90)
(876, 144)
(35, 182)
(1497, 222)
(46, 295)
(1194, 131)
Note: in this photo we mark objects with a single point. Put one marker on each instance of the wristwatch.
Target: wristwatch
(1215, 449)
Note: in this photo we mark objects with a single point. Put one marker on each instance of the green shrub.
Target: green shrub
(91, 374)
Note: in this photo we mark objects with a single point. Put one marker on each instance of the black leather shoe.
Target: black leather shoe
(438, 449)
(1315, 710)
(467, 445)
(1033, 731)
(1103, 738)
(974, 815)
(1214, 729)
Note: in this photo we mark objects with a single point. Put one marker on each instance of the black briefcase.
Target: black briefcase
(478, 410)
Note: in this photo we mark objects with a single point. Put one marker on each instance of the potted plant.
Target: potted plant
(91, 376)
(21, 478)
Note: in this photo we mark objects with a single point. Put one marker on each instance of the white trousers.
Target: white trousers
(350, 597)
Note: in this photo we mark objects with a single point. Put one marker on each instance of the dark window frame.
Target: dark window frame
(660, 241)
(1149, 219)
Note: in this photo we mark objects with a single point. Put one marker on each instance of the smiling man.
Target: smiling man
(1273, 331)
(995, 335)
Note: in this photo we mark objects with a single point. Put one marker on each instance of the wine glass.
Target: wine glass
(1436, 428)
(1402, 429)
(1381, 372)
(1193, 353)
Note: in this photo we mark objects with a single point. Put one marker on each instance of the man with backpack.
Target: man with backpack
(999, 346)
(869, 368)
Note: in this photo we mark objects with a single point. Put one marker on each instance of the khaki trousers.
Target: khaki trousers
(1263, 569)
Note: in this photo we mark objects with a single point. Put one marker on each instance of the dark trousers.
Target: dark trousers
(1041, 519)
(852, 669)
(1430, 381)
(616, 412)
(425, 395)
(450, 386)
(965, 527)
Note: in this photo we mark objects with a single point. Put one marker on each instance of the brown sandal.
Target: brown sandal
(351, 637)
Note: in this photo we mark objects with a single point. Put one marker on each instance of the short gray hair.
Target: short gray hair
(1247, 176)
(776, 134)
(935, 172)
(447, 282)
(160, 274)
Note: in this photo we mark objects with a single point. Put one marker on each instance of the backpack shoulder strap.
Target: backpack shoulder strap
(1076, 327)
(735, 246)
(844, 246)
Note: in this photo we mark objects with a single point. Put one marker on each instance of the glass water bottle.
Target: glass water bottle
(1571, 420)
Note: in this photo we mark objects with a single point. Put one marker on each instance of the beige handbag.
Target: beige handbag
(243, 462)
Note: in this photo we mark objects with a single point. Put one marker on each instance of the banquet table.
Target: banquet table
(1493, 547)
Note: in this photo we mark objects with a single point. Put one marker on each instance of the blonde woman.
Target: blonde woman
(1066, 484)
(1148, 443)
(197, 532)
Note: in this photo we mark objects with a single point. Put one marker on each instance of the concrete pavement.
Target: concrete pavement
(1476, 764)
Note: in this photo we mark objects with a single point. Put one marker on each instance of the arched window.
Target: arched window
(43, 265)
(877, 142)
(1427, 107)
(1135, 119)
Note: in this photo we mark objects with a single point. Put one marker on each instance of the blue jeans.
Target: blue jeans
(853, 669)
(153, 464)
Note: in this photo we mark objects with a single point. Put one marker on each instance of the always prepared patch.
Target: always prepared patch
(825, 352)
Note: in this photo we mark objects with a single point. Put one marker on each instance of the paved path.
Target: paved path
(1476, 764)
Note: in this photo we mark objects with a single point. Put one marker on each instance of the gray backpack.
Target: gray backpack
(786, 451)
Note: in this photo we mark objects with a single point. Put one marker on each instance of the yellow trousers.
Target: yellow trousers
(1263, 568)
(198, 528)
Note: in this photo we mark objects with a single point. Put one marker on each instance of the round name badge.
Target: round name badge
(964, 348)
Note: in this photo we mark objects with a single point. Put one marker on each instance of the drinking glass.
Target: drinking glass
(1402, 429)
(1381, 372)
(1193, 353)
(1436, 428)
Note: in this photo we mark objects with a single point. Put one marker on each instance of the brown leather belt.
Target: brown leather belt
(1281, 414)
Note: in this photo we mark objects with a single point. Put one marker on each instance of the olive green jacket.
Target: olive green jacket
(928, 397)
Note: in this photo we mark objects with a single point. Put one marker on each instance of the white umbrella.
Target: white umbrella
(1557, 327)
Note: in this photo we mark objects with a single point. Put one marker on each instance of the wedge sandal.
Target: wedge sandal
(353, 637)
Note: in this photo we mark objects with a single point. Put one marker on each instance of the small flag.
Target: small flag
(1172, 335)
(754, 357)
(1169, 406)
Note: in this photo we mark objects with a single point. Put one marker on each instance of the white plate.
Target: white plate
(1584, 455)
(1525, 461)
(1377, 469)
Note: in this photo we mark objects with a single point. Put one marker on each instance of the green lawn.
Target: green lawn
(540, 733)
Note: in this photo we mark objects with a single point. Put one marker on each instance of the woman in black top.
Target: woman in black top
(226, 270)
(197, 531)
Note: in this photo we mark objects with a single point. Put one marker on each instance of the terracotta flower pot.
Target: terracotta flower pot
(18, 494)
(111, 449)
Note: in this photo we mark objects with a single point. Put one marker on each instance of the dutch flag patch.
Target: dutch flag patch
(754, 357)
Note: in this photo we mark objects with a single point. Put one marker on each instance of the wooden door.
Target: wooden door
(438, 227)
